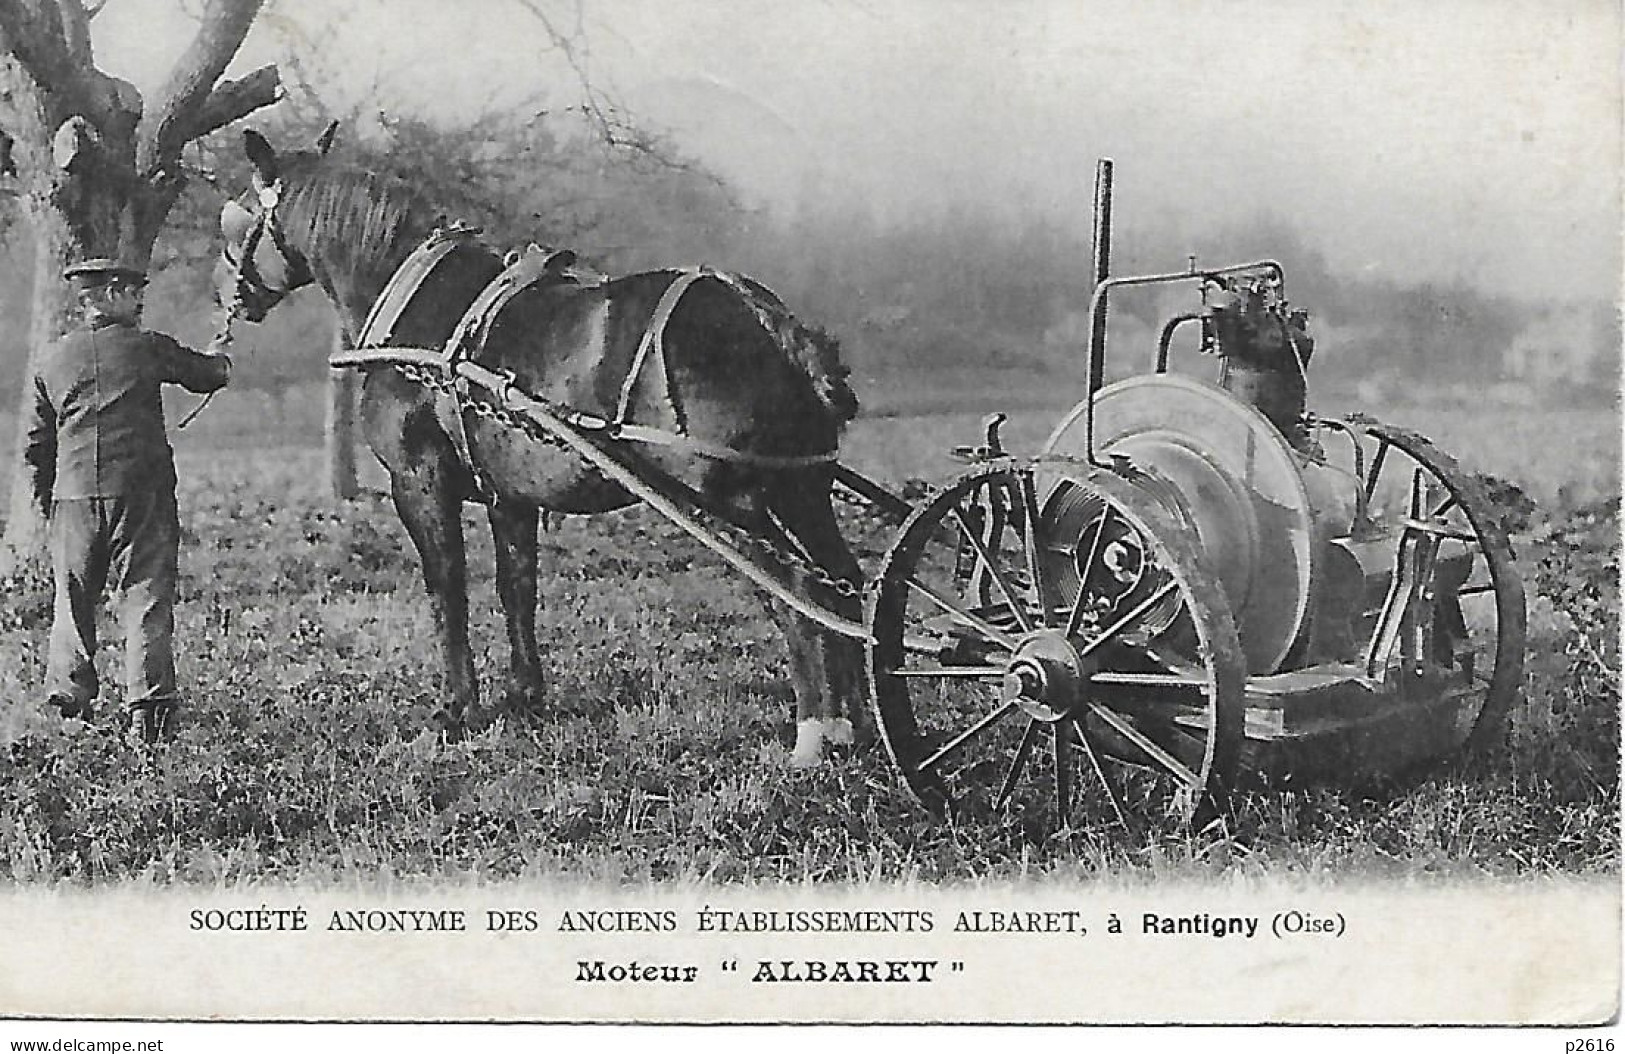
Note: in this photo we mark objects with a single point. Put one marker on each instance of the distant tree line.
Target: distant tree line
(964, 286)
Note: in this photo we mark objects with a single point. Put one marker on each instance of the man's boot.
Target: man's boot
(67, 707)
(150, 725)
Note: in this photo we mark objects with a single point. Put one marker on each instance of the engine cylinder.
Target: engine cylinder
(1278, 395)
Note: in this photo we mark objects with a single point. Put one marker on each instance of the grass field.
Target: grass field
(305, 651)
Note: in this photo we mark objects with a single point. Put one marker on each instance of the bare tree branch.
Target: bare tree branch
(238, 98)
(33, 35)
(594, 105)
(173, 121)
(75, 21)
(608, 120)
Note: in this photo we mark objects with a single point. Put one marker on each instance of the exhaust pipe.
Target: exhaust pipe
(1102, 268)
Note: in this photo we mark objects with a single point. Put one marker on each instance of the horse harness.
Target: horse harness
(445, 371)
(450, 372)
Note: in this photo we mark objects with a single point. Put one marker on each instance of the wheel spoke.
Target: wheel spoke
(952, 746)
(1063, 776)
(1035, 569)
(1123, 623)
(1076, 617)
(1149, 680)
(950, 671)
(960, 615)
(1100, 773)
(995, 571)
(1024, 749)
(1450, 533)
(1449, 503)
(1139, 739)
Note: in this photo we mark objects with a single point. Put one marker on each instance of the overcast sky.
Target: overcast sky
(1460, 139)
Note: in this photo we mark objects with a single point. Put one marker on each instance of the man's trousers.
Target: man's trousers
(128, 544)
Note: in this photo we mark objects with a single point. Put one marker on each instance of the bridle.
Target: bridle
(250, 290)
(250, 287)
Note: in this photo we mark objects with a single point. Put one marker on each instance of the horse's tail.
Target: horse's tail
(812, 350)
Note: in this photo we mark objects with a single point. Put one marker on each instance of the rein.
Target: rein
(221, 339)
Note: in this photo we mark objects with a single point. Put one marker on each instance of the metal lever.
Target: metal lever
(992, 445)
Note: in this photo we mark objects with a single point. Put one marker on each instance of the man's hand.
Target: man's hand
(217, 350)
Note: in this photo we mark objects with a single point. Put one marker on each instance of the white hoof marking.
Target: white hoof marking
(809, 748)
(838, 732)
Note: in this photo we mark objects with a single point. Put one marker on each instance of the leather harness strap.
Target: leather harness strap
(472, 330)
(653, 344)
(450, 408)
(524, 268)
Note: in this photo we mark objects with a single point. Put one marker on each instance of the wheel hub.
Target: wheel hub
(1045, 677)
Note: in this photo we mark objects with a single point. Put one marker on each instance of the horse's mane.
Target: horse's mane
(359, 217)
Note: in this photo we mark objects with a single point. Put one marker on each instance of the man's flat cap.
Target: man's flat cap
(100, 270)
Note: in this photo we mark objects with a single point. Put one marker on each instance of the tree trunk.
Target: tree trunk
(70, 204)
(55, 247)
(96, 177)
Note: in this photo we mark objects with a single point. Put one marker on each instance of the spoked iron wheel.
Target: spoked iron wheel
(1478, 623)
(1069, 657)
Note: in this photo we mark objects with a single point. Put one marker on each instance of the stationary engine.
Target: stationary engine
(1197, 575)
(1264, 347)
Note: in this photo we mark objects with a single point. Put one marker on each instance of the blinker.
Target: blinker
(235, 221)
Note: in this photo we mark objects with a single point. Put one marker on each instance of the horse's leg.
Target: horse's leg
(513, 526)
(832, 664)
(806, 671)
(432, 512)
(806, 674)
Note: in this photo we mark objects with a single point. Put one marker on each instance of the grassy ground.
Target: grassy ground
(306, 652)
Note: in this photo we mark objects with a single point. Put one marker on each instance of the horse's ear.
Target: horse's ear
(261, 155)
(324, 142)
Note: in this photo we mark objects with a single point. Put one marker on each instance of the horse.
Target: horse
(752, 400)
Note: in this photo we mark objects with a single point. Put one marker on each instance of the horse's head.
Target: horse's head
(258, 266)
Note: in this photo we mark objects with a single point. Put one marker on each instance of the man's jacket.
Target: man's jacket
(96, 421)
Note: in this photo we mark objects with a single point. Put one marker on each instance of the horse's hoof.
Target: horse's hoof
(800, 759)
(808, 752)
(525, 701)
(451, 726)
(838, 732)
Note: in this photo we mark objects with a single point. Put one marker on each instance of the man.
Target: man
(103, 474)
